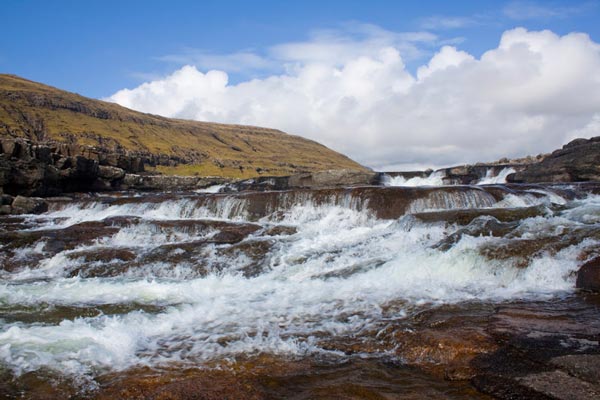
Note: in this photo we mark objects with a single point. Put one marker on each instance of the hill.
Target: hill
(43, 113)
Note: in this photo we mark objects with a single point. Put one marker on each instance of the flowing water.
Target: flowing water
(436, 178)
(113, 284)
(490, 178)
(433, 179)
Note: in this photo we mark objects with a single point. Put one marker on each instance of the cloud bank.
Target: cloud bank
(531, 94)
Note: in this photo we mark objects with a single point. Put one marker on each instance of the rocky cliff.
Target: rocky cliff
(75, 126)
(577, 161)
(53, 168)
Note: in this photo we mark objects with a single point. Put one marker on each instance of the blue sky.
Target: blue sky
(392, 84)
(98, 47)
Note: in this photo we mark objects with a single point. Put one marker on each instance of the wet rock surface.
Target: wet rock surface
(266, 378)
(465, 217)
(546, 351)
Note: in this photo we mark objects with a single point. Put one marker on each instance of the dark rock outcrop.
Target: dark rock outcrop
(577, 161)
(50, 168)
(588, 277)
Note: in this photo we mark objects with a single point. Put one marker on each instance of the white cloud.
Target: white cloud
(530, 94)
(447, 57)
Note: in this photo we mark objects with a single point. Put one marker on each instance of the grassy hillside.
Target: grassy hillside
(40, 112)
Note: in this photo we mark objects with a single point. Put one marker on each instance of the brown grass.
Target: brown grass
(37, 111)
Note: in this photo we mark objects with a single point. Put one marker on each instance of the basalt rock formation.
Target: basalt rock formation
(51, 168)
(577, 161)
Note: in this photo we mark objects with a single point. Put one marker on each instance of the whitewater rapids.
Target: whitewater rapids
(300, 274)
(436, 178)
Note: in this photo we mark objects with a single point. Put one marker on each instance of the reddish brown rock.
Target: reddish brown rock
(280, 230)
(181, 385)
(444, 352)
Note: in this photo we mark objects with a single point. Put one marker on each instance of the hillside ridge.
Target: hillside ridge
(42, 113)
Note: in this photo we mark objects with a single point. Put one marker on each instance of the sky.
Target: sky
(393, 85)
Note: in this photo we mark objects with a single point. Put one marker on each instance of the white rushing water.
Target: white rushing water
(436, 178)
(491, 179)
(211, 189)
(338, 273)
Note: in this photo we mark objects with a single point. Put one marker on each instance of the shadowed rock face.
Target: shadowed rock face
(588, 277)
(52, 168)
(577, 161)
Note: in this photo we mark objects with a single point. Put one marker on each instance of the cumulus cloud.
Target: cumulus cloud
(530, 94)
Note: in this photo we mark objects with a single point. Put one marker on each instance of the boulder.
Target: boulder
(588, 277)
(111, 173)
(7, 146)
(29, 205)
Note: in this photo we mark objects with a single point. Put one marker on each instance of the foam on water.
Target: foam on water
(334, 277)
(434, 179)
(211, 189)
(226, 207)
(491, 179)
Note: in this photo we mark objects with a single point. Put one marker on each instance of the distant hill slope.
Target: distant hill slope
(43, 113)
